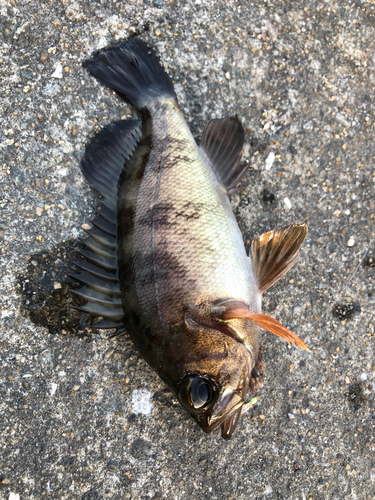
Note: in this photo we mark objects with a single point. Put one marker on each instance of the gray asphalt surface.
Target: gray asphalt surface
(82, 417)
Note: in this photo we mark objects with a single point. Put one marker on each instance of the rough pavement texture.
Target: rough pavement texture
(82, 417)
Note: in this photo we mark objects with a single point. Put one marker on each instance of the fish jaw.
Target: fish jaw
(225, 416)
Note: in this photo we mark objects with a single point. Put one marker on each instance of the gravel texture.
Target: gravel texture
(83, 417)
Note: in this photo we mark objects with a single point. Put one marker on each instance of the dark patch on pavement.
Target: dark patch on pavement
(356, 395)
(44, 286)
(346, 311)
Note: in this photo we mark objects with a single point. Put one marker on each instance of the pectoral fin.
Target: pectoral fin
(267, 323)
(275, 252)
(238, 310)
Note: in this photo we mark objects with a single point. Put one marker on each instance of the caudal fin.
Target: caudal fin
(133, 70)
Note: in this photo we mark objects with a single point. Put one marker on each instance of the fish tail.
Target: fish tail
(133, 70)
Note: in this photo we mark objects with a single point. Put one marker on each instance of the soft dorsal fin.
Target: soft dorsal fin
(275, 252)
(221, 142)
(106, 154)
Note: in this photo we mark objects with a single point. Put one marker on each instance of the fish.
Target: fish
(165, 260)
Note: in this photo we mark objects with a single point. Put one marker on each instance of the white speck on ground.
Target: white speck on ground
(58, 73)
(270, 160)
(350, 242)
(142, 402)
(288, 203)
(268, 491)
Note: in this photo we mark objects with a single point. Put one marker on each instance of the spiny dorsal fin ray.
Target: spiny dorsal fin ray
(99, 249)
(222, 142)
(97, 271)
(108, 214)
(92, 295)
(111, 313)
(111, 288)
(104, 324)
(275, 252)
(101, 223)
(103, 238)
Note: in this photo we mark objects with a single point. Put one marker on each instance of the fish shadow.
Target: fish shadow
(44, 289)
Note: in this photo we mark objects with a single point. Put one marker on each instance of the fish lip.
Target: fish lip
(228, 426)
(228, 421)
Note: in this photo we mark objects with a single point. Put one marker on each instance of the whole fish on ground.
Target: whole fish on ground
(165, 259)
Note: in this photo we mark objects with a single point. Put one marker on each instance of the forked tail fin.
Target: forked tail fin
(133, 70)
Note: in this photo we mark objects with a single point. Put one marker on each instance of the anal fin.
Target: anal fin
(221, 143)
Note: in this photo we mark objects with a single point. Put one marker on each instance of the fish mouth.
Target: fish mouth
(228, 421)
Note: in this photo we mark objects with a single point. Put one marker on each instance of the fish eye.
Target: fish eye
(196, 393)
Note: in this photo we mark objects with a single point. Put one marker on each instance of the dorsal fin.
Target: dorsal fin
(222, 142)
(102, 164)
(106, 154)
(275, 252)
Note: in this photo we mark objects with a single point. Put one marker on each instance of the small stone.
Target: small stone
(86, 227)
(57, 285)
(261, 417)
(350, 242)
(39, 211)
(56, 22)
(5, 481)
(76, 387)
(227, 68)
(157, 32)
(287, 203)
(227, 75)
(74, 131)
(270, 160)
(347, 380)
(342, 120)
(58, 72)
(20, 30)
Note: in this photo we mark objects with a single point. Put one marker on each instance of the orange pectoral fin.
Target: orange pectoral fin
(267, 323)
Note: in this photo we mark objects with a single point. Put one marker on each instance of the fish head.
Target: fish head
(212, 378)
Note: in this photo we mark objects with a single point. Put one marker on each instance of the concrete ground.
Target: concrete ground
(82, 417)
